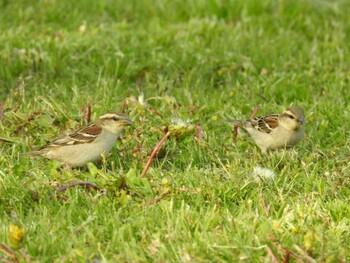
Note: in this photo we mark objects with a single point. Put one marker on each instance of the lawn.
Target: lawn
(186, 67)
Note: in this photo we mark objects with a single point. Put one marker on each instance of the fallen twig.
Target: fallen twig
(286, 258)
(255, 111)
(137, 149)
(270, 253)
(192, 109)
(158, 199)
(63, 198)
(155, 112)
(31, 117)
(6, 140)
(87, 186)
(288, 253)
(304, 255)
(10, 252)
(154, 152)
(25, 255)
(181, 189)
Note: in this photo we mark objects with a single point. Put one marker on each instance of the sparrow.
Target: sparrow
(88, 143)
(275, 130)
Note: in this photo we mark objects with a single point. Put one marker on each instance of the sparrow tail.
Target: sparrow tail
(237, 123)
(32, 153)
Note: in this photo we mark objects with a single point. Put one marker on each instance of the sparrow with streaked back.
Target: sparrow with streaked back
(275, 130)
(88, 143)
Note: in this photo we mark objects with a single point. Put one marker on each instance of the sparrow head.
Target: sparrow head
(292, 118)
(113, 122)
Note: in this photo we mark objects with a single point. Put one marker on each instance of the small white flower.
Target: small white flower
(261, 174)
(180, 122)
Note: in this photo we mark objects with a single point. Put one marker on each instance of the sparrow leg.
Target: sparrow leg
(67, 167)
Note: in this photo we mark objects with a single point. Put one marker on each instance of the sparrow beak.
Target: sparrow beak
(126, 122)
(301, 121)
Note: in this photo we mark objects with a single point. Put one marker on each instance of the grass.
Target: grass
(202, 61)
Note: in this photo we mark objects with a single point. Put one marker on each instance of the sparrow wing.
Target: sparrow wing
(265, 124)
(85, 134)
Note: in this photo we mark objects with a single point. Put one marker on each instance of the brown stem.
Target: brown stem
(181, 189)
(158, 199)
(193, 109)
(87, 185)
(304, 255)
(87, 113)
(9, 252)
(63, 198)
(287, 256)
(88, 118)
(137, 149)
(31, 117)
(199, 132)
(288, 253)
(154, 152)
(234, 132)
(255, 111)
(272, 256)
(25, 255)
(123, 185)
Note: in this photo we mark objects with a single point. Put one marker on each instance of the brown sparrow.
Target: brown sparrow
(88, 143)
(276, 130)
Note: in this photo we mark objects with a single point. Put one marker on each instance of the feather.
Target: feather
(266, 123)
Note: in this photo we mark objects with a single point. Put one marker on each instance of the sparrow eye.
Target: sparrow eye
(116, 118)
